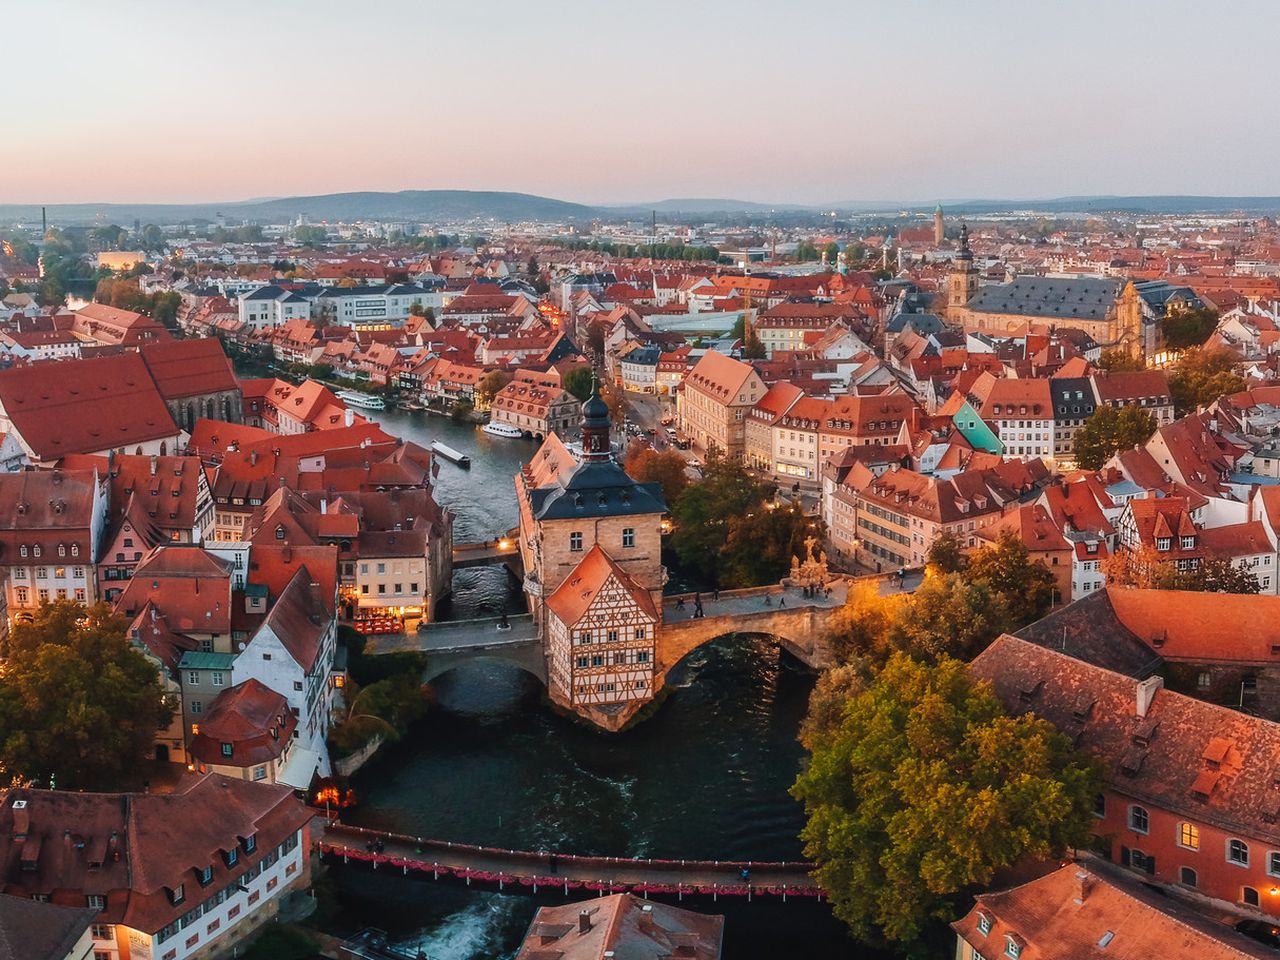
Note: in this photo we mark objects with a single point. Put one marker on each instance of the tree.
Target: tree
(489, 385)
(752, 348)
(831, 252)
(1121, 360)
(578, 382)
(762, 541)
(616, 402)
(806, 251)
(151, 238)
(417, 310)
(702, 513)
(595, 339)
(79, 703)
(1024, 587)
(1183, 329)
(860, 629)
(310, 236)
(666, 468)
(1201, 376)
(1146, 569)
(835, 690)
(950, 616)
(945, 554)
(1110, 430)
(921, 788)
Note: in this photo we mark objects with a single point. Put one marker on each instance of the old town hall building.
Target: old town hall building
(591, 542)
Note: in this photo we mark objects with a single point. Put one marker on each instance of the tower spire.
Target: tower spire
(595, 424)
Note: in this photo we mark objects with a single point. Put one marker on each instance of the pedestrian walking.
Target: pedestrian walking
(782, 600)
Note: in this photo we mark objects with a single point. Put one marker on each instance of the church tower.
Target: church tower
(963, 282)
(939, 230)
(595, 426)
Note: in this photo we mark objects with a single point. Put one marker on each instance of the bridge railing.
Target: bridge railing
(543, 858)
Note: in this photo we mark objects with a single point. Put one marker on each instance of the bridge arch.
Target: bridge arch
(528, 661)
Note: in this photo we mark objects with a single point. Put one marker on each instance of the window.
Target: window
(1238, 852)
(639, 633)
(611, 636)
(217, 677)
(382, 568)
(231, 856)
(1189, 836)
(598, 660)
(96, 902)
(1273, 863)
(251, 843)
(1203, 680)
(227, 749)
(1164, 544)
(196, 706)
(206, 876)
(260, 773)
(575, 541)
(1012, 948)
(642, 656)
(1139, 821)
(628, 537)
(102, 931)
(984, 924)
(1187, 877)
(582, 663)
(1249, 896)
(297, 685)
(1100, 806)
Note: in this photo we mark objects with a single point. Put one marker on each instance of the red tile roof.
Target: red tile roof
(186, 368)
(581, 587)
(254, 719)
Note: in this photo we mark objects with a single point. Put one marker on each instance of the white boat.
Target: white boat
(503, 430)
(450, 454)
(355, 398)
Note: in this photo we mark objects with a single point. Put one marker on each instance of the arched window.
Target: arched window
(75, 549)
(35, 551)
(1187, 877)
(1249, 896)
(22, 550)
(1189, 836)
(62, 549)
(1139, 820)
(1238, 852)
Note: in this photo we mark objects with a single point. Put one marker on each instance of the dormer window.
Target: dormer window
(251, 843)
(35, 551)
(984, 923)
(227, 749)
(205, 875)
(1013, 947)
(230, 857)
(1164, 544)
(22, 550)
(178, 894)
(75, 549)
(1188, 543)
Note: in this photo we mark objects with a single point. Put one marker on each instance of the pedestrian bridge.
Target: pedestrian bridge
(504, 550)
(521, 871)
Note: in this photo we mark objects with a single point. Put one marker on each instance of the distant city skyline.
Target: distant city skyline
(605, 105)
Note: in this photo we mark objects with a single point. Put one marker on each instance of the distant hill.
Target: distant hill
(1171, 204)
(696, 205)
(413, 205)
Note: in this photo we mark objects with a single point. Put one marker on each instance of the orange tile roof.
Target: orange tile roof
(574, 596)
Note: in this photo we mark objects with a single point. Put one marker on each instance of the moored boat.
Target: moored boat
(450, 454)
(502, 430)
(355, 398)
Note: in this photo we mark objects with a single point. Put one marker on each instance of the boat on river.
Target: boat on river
(450, 454)
(357, 399)
(502, 430)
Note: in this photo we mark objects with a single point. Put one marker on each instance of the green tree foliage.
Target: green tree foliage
(1110, 430)
(385, 708)
(950, 615)
(921, 788)
(1201, 376)
(308, 236)
(246, 234)
(752, 348)
(658, 251)
(162, 306)
(664, 467)
(831, 251)
(762, 542)
(945, 554)
(806, 251)
(1183, 329)
(703, 513)
(578, 382)
(22, 249)
(108, 237)
(1023, 587)
(79, 702)
(835, 690)
(151, 238)
(861, 629)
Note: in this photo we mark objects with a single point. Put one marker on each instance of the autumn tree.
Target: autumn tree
(1202, 376)
(945, 554)
(1146, 569)
(79, 703)
(1118, 359)
(666, 468)
(861, 627)
(1109, 430)
(920, 788)
(489, 385)
(834, 691)
(614, 399)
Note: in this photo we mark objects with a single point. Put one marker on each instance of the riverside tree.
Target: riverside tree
(1110, 430)
(920, 788)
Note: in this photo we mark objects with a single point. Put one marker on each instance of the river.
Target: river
(706, 776)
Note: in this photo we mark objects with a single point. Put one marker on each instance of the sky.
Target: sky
(599, 101)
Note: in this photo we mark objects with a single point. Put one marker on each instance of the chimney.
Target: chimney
(1083, 884)
(584, 921)
(324, 505)
(153, 465)
(21, 821)
(1146, 693)
(349, 417)
(253, 457)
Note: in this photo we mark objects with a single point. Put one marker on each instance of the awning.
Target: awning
(300, 768)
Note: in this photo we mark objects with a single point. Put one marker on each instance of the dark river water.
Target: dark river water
(705, 777)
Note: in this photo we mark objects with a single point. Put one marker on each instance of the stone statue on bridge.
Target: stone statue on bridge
(810, 574)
